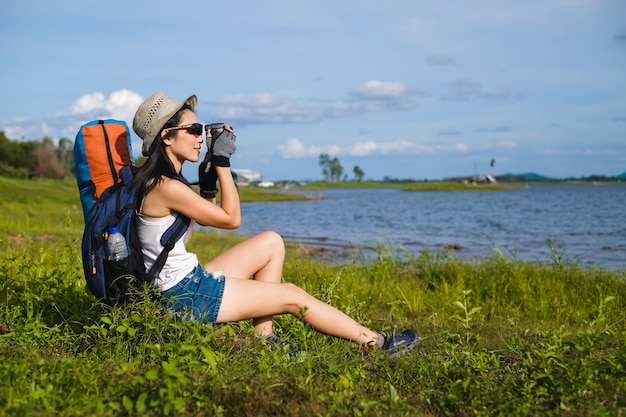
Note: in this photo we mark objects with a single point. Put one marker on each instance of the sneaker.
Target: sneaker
(397, 344)
(274, 340)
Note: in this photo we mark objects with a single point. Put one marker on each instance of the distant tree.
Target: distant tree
(43, 158)
(335, 170)
(325, 164)
(48, 162)
(358, 173)
(17, 159)
(331, 168)
(493, 164)
(65, 154)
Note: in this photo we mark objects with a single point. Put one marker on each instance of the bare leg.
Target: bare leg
(244, 299)
(260, 257)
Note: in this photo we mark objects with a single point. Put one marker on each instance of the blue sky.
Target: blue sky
(405, 89)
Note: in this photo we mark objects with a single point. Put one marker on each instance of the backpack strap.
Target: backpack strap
(127, 174)
(168, 240)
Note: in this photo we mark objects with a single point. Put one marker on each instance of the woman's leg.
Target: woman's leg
(245, 299)
(260, 257)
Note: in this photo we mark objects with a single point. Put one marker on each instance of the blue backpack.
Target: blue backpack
(114, 281)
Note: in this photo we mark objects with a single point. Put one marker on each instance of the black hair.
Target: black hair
(158, 165)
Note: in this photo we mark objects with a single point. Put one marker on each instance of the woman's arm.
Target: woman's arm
(230, 196)
(174, 196)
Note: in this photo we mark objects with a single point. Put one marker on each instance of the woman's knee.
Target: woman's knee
(273, 240)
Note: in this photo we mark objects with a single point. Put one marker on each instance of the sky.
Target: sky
(402, 89)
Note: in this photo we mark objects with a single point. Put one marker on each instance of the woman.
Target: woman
(221, 290)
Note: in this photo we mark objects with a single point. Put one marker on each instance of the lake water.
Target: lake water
(583, 222)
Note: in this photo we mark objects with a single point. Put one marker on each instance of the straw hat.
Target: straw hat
(152, 115)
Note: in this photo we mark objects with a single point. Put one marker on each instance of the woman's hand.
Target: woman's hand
(222, 145)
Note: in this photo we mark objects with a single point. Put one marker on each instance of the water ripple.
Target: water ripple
(584, 222)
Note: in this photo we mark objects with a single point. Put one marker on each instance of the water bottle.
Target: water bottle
(117, 245)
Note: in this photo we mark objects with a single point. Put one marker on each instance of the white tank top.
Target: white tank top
(179, 262)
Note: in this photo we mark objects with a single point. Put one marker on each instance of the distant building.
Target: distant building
(244, 177)
(483, 179)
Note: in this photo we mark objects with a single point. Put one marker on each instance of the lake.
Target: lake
(583, 222)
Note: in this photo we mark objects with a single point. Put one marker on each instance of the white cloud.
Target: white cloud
(88, 103)
(399, 147)
(380, 89)
(120, 104)
(123, 104)
(503, 145)
(595, 152)
(370, 96)
(45, 129)
(294, 148)
(364, 148)
(253, 100)
(507, 144)
(266, 108)
(467, 89)
(15, 132)
(461, 147)
(396, 147)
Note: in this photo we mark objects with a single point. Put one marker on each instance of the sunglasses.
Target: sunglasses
(194, 128)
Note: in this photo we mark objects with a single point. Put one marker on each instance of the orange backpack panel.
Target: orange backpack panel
(101, 149)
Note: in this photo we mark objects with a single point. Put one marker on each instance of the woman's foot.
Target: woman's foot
(396, 344)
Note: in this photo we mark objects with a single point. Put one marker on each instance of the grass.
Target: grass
(499, 336)
(457, 186)
(410, 185)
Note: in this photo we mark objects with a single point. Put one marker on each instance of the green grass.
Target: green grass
(410, 185)
(314, 185)
(456, 186)
(252, 193)
(499, 336)
(53, 206)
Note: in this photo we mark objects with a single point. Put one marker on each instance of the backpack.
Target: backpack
(101, 149)
(108, 199)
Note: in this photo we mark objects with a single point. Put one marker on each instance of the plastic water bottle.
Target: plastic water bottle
(117, 244)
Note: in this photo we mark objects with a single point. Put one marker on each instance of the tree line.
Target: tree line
(44, 158)
(333, 171)
(21, 159)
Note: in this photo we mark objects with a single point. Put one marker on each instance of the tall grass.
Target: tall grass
(499, 337)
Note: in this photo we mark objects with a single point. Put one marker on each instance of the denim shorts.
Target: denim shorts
(197, 296)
